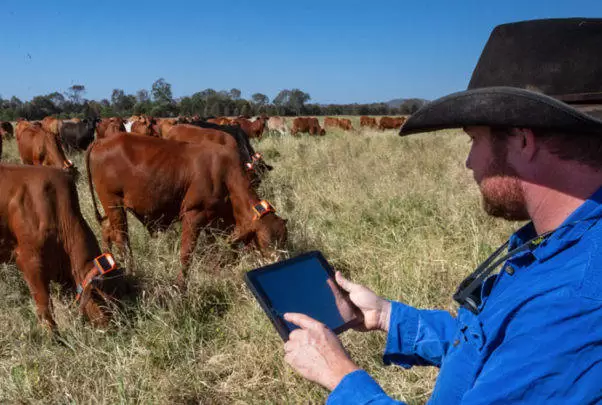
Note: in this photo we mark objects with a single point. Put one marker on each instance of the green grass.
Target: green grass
(401, 215)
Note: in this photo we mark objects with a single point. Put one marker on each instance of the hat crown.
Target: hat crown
(557, 57)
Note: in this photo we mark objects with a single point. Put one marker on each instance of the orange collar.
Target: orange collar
(262, 208)
(103, 264)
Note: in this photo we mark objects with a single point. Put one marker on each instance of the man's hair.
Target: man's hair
(585, 148)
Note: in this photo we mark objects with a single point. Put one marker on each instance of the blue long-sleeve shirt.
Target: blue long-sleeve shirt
(537, 338)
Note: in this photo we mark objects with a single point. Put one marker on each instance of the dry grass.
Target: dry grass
(401, 215)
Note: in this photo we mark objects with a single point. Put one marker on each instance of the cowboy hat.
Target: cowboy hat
(532, 74)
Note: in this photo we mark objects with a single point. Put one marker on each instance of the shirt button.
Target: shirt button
(510, 270)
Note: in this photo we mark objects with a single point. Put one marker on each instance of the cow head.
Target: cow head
(267, 231)
(101, 287)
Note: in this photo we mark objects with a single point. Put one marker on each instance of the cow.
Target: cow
(369, 122)
(391, 123)
(304, 124)
(145, 126)
(277, 124)
(220, 121)
(330, 122)
(42, 228)
(252, 162)
(107, 126)
(161, 181)
(165, 124)
(345, 124)
(78, 135)
(6, 130)
(51, 124)
(40, 147)
(0, 148)
(252, 129)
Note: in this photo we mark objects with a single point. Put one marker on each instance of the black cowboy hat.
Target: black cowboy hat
(544, 74)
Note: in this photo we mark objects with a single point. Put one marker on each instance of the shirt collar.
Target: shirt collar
(568, 233)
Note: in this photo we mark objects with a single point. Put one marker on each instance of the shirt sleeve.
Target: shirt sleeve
(359, 388)
(418, 336)
(551, 354)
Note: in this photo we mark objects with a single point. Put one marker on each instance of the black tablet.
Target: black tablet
(303, 284)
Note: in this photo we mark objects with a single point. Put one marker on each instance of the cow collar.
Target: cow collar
(67, 164)
(261, 209)
(103, 264)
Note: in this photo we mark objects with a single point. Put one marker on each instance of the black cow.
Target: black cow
(78, 135)
(6, 129)
(245, 149)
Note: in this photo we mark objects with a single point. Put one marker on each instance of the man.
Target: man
(533, 332)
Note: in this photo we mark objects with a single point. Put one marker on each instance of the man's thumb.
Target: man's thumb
(343, 282)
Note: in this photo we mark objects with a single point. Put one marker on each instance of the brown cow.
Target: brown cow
(345, 124)
(161, 181)
(40, 147)
(330, 122)
(369, 122)
(220, 121)
(391, 123)
(145, 126)
(252, 129)
(42, 228)
(165, 124)
(108, 126)
(304, 124)
(51, 124)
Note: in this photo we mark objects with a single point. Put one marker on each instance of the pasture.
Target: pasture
(400, 215)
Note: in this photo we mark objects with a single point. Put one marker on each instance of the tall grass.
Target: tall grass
(401, 215)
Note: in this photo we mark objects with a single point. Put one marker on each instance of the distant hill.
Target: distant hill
(395, 103)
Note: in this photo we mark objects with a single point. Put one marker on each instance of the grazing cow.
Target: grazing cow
(252, 162)
(78, 135)
(369, 122)
(305, 124)
(40, 147)
(6, 130)
(108, 126)
(220, 121)
(345, 124)
(252, 129)
(391, 123)
(161, 181)
(330, 122)
(277, 124)
(42, 228)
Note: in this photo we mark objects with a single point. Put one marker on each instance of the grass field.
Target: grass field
(401, 215)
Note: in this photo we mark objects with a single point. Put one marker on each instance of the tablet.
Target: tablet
(303, 284)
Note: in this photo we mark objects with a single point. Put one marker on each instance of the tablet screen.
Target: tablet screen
(304, 284)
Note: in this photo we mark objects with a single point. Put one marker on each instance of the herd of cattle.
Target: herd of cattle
(200, 173)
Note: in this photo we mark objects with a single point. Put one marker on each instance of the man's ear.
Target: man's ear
(524, 143)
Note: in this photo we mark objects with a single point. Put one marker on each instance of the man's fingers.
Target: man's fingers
(343, 282)
(302, 320)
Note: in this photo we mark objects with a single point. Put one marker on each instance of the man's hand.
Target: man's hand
(375, 310)
(315, 352)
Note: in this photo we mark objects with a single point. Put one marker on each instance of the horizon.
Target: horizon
(339, 53)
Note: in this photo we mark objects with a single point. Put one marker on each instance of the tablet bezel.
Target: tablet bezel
(264, 302)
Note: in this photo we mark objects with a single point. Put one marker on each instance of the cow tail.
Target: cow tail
(90, 184)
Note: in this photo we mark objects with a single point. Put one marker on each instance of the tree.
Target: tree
(260, 99)
(122, 104)
(142, 96)
(75, 93)
(235, 94)
(161, 92)
(291, 99)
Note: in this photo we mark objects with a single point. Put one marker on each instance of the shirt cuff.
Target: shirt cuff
(401, 339)
(356, 387)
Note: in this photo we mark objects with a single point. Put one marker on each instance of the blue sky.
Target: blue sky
(337, 51)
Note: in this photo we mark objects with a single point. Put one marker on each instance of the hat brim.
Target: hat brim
(500, 107)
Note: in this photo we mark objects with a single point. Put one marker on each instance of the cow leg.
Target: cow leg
(118, 231)
(30, 264)
(192, 221)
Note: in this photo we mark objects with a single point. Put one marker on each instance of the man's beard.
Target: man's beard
(502, 193)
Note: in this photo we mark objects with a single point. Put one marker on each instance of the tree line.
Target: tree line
(159, 102)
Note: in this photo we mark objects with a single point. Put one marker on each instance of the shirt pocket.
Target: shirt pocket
(462, 361)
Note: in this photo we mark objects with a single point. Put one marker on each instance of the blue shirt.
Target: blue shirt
(537, 339)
